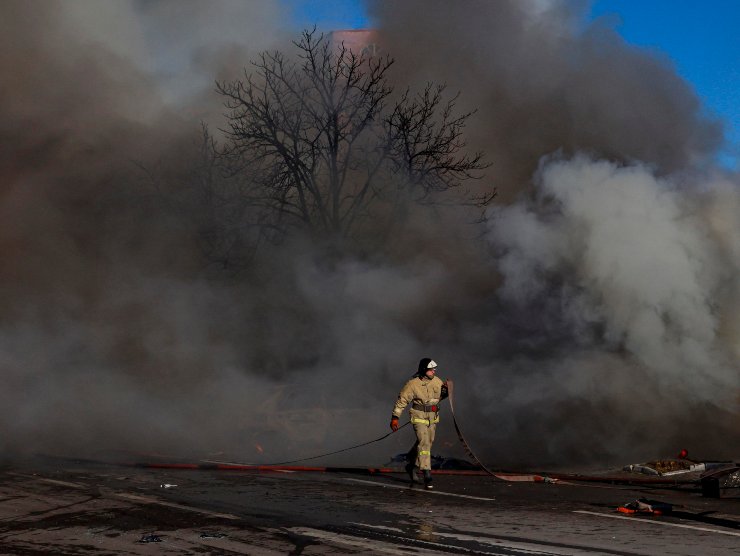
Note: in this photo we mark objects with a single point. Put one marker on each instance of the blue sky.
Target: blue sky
(702, 39)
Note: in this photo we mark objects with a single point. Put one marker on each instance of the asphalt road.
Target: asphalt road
(95, 509)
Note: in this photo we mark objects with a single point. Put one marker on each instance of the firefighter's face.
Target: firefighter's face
(430, 373)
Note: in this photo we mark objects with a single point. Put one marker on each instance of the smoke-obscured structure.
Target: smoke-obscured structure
(590, 317)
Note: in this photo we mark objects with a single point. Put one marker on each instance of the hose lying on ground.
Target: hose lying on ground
(338, 451)
(464, 443)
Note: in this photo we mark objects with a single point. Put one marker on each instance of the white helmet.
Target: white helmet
(425, 364)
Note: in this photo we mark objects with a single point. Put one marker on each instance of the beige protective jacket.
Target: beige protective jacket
(424, 391)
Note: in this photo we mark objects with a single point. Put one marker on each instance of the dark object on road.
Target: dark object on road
(411, 470)
(453, 463)
(438, 462)
(723, 483)
(212, 535)
(645, 506)
(150, 538)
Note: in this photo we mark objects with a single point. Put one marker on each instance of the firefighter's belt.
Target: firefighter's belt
(422, 407)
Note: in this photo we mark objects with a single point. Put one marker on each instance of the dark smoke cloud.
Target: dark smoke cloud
(594, 319)
(110, 337)
(544, 81)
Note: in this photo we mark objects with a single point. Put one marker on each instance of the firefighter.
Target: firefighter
(424, 392)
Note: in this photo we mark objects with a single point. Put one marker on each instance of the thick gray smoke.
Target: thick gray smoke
(544, 81)
(592, 318)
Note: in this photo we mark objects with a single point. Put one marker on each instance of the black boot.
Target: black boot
(428, 479)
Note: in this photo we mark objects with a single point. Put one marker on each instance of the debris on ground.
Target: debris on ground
(645, 506)
(639, 468)
(167, 485)
(212, 535)
(665, 467)
(149, 538)
(680, 466)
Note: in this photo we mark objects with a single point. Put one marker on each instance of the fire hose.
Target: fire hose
(464, 443)
(468, 451)
(342, 450)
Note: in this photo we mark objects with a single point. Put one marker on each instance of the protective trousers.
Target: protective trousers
(421, 452)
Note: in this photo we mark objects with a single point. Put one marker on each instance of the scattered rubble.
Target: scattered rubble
(665, 467)
(680, 466)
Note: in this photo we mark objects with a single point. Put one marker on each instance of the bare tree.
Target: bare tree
(328, 144)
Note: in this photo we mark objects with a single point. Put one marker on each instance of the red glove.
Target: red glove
(394, 423)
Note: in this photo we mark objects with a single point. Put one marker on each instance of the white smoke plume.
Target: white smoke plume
(638, 259)
(633, 277)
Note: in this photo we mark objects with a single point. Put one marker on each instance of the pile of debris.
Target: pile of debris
(718, 479)
(666, 467)
(676, 466)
